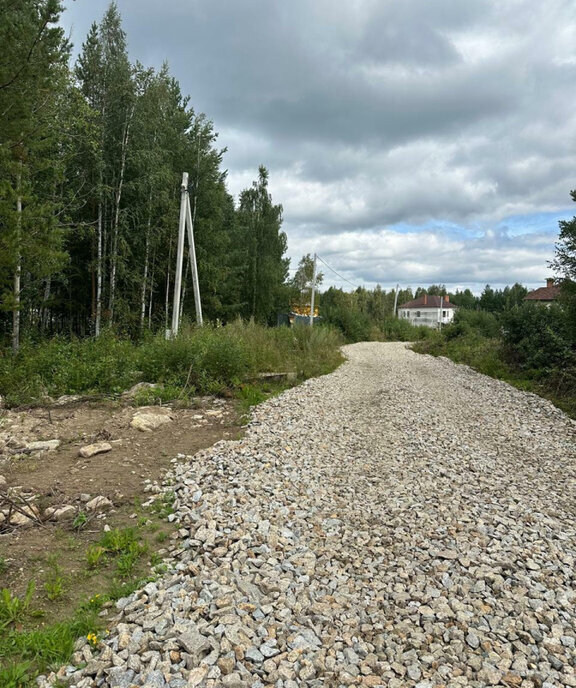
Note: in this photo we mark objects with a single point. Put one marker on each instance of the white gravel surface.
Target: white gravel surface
(401, 522)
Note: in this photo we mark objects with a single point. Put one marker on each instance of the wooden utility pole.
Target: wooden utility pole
(193, 264)
(184, 224)
(395, 301)
(312, 295)
(440, 318)
(179, 256)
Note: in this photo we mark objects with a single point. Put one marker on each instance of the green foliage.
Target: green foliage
(80, 520)
(95, 555)
(118, 540)
(55, 581)
(163, 506)
(565, 254)
(468, 321)
(199, 361)
(538, 337)
(14, 609)
(28, 653)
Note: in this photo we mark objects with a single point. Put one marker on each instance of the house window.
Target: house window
(417, 314)
(444, 314)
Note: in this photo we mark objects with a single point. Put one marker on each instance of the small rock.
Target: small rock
(254, 655)
(44, 445)
(99, 502)
(148, 421)
(64, 512)
(93, 449)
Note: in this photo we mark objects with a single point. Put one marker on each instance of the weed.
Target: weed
(129, 558)
(155, 559)
(80, 521)
(14, 609)
(95, 603)
(164, 505)
(55, 583)
(119, 589)
(95, 554)
(37, 650)
(118, 540)
(161, 536)
(54, 588)
(16, 675)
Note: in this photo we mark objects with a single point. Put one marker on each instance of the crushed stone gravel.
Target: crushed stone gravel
(403, 521)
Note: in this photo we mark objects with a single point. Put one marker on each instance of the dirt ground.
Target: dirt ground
(61, 477)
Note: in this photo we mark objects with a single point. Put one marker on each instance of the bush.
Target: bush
(199, 361)
(537, 337)
(467, 321)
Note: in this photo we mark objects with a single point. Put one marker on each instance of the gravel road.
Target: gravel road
(401, 522)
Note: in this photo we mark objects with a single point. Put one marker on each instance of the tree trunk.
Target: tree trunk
(151, 290)
(98, 322)
(44, 317)
(118, 197)
(18, 268)
(146, 260)
(167, 299)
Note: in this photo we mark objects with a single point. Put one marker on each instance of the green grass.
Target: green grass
(14, 609)
(199, 361)
(25, 654)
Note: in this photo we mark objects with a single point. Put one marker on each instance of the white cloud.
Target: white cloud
(371, 113)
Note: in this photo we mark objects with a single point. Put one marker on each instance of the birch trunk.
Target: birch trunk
(98, 322)
(151, 290)
(167, 299)
(146, 260)
(17, 271)
(118, 198)
(44, 313)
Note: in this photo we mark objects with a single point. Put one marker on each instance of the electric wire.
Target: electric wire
(337, 273)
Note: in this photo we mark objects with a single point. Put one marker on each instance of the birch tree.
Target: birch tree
(33, 68)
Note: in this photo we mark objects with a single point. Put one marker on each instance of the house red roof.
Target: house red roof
(548, 293)
(428, 301)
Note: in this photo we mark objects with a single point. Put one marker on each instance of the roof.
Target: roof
(428, 301)
(543, 294)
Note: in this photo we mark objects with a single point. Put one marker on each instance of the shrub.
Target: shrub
(537, 337)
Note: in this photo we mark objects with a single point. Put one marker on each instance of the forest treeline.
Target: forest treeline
(91, 158)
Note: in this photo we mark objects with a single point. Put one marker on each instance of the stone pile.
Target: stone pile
(401, 522)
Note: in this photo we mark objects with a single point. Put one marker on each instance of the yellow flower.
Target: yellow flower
(92, 638)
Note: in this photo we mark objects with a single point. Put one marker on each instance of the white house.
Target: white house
(428, 310)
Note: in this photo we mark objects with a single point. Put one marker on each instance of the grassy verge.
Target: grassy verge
(71, 595)
(199, 361)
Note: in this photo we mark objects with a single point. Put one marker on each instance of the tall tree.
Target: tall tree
(564, 261)
(265, 268)
(105, 76)
(33, 69)
(302, 281)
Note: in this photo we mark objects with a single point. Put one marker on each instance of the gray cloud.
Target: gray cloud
(377, 112)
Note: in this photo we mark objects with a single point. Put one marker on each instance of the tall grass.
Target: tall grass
(204, 360)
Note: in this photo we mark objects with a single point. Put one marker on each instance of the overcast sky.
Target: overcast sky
(410, 141)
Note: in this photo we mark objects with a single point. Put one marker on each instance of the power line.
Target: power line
(337, 273)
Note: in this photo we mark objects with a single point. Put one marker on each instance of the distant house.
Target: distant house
(428, 310)
(545, 295)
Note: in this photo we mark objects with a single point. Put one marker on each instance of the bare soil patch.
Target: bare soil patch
(61, 477)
